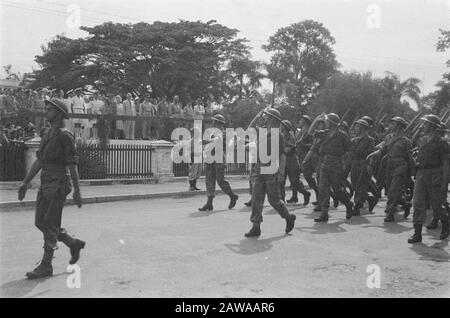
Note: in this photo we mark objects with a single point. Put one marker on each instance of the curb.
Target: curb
(113, 198)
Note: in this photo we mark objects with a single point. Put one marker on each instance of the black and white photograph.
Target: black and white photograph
(224, 154)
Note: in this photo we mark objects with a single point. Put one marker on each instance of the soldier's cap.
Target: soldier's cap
(432, 119)
(399, 120)
(368, 120)
(273, 113)
(219, 118)
(307, 118)
(333, 118)
(60, 105)
(78, 89)
(286, 123)
(362, 122)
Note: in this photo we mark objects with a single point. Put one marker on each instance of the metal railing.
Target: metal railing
(12, 161)
(98, 161)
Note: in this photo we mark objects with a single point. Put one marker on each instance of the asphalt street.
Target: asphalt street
(166, 248)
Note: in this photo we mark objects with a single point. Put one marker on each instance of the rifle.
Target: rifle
(414, 121)
(345, 114)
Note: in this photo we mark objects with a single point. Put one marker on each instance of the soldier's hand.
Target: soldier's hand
(22, 191)
(77, 198)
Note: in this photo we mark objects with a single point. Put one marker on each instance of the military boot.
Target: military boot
(191, 185)
(290, 221)
(75, 249)
(317, 208)
(389, 217)
(434, 224)
(407, 209)
(44, 269)
(417, 236)
(357, 210)
(233, 200)
(208, 206)
(335, 203)
(372, 202)
(294, 198)
(255, 231)
(445, 229)
(249, 203)
(322, 218)
(195, 185)
(349, 210)
(306, 197)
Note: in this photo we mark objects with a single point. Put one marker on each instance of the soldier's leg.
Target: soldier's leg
(336, 176)
(419, 209)
(273, 196)
(210, 182)
(224, 185)
(258, 196)
(308, 171)
(324, 193)
(437, 203)
(292, 174)
(394, 195)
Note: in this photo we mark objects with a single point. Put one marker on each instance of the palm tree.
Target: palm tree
(408, 88)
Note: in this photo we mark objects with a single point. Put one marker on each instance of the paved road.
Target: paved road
(166, 248)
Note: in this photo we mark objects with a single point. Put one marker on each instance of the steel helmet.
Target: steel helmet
(362, 122)
(219, 118)
(432, 119)
(273, 113)
(400, 120)
(333, 118)
(368, 120)
(60, 105)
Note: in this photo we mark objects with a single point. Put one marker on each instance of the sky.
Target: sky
(377, 36)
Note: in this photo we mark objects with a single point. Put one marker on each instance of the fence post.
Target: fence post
(31, 147)
(162, 167)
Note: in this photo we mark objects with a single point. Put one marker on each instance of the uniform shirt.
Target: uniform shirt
(57, 147)
(397, 148)
(256, 169)
(335, 145)
(289, 144)
(362, 147)
(432, 152)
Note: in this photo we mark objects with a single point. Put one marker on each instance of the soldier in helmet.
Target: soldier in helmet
(56, 159)
(292, 165)
(431, 178)
(268, 183)
(362, 146)
(397, 150)
(215, 172)
(333, 145)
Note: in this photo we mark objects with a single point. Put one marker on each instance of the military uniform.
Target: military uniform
(398, 152)
(293, 171)
(56, 153)
(428, 184)
(331, 149)
(361, 148)
(303, 145)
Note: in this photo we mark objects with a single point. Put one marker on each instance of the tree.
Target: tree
(278, 75)
(361, 94)
(188, 59)
(408, 88)
(305, 51)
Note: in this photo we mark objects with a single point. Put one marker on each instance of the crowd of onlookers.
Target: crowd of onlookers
(80, 102)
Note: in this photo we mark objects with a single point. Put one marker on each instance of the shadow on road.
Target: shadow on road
(358, 220)
(324, 228)
(392, 228)
(435, 252)
(251, 246)
(21, 287)
(206, 213)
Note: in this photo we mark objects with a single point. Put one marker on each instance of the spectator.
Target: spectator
(188, 110)
(119, 112)
(97, 108)
(163, 109)
(4, 140)
(78, 107)
(129, 110)
(199, 110)
(175, 107)
(146, 109)
(38, 108)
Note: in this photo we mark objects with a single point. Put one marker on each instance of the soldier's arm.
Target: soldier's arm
(35, 168)
(71, 160)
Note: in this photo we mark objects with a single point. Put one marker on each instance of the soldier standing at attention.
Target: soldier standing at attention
(268, 183)
(363, 145)
(431, 178)
(292, 165)
(56, 158)
(398, 151)
(333, 146)
(215, 172)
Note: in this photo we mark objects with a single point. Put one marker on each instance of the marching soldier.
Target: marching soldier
(304, 143)
(57, 160)
(334, 144)
(431, 178)
(268, 183)
(398, 151)
(363, 145)
(215, 172)
(292, 165)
